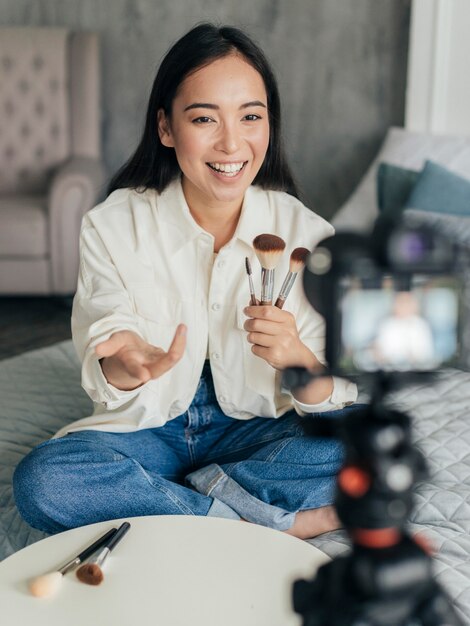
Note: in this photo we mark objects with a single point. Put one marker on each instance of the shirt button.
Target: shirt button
(215, 355)
(223, 398)
(221, 263)
(215, 306)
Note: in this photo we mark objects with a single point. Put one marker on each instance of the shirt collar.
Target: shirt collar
(255, 217)
(173, 209)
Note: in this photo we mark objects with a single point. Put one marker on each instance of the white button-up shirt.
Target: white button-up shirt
(146, 265)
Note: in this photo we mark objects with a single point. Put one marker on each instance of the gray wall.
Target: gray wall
(341, 66)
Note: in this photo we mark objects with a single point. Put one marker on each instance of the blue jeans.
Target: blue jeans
(200, 463)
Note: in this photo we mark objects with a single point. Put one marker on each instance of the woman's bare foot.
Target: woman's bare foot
(314, 522)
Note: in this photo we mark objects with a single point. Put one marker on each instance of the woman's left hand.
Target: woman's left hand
(273, 333)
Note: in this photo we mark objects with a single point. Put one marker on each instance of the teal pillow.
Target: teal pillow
(440, 191)
(394, 185)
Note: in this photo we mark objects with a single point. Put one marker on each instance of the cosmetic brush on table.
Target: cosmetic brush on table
(297, 261)
(48, 584)
(268, 249)
(253, 300)
(91, 573)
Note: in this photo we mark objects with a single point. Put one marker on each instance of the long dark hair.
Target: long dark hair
(153, 165)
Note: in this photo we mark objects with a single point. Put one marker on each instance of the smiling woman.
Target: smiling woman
(189, 415)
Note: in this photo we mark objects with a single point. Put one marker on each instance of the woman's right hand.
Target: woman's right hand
(128, 361)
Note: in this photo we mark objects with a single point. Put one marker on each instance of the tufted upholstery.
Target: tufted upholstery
(51, 171)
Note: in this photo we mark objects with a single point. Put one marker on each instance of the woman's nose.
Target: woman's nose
(228, 140)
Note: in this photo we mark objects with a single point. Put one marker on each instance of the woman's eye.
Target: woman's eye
(202, 120)
(252, 117)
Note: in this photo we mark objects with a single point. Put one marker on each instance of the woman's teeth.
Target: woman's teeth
(228, 169)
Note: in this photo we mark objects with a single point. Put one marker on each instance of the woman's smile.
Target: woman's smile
(227, 170)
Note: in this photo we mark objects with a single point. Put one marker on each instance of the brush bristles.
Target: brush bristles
(269, 249)
(90, 574)
(46, 586)
(298, 259)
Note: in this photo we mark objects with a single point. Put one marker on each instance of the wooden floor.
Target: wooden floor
(29, 323)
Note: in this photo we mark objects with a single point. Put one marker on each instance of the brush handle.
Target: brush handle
(267, 286)
(118, 535)
(100, 557)
(285, 289)
(87, 552)
(253, 300)
(97, 544)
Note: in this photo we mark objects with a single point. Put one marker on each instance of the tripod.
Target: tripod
(386, 579)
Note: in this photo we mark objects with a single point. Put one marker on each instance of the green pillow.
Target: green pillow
(394, 185)
(440, 191)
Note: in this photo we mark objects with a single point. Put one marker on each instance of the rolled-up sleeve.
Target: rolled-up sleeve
(344, 393)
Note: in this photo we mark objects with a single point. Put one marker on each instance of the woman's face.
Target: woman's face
(219, 128)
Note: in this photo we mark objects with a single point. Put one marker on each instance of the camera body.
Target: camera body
(392, 300)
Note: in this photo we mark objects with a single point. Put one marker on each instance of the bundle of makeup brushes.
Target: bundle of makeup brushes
(89, 572)
(269, 249)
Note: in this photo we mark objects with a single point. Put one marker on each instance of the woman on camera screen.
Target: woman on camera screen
(189, 415)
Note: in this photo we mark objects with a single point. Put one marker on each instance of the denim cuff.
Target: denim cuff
(219, 509)
(213, 481)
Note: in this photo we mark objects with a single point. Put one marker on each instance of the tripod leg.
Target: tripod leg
(437, 610)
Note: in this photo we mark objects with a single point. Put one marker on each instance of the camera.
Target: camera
(392, 300)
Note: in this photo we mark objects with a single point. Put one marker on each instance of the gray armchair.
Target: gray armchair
(51, 170)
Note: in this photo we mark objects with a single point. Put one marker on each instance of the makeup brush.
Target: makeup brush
(298, 258)
(48, 584)
(253, 300)
(91, 572)
(268, 249)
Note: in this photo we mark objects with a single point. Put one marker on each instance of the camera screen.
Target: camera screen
(386, 328)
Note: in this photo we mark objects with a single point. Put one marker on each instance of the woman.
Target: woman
(184, 376)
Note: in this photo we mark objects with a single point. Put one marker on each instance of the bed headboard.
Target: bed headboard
(438, 88)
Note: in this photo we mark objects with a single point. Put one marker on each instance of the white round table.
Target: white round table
(167, 571)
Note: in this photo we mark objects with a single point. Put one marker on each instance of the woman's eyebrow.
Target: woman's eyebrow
(208, 105)
(201, 105)
(253, 103)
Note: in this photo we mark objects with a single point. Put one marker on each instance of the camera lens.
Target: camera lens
(408, 247)
(419, 249)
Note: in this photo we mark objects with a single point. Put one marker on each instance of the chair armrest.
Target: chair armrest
(75, 188)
